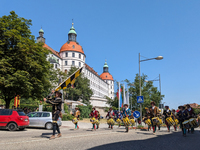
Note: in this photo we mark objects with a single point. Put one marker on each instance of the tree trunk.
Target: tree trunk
(7, 103)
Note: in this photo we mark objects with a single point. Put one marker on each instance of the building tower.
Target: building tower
(107, 77)
(71, 52)
(41, 38)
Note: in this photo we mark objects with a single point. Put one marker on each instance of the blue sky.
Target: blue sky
(119, 30)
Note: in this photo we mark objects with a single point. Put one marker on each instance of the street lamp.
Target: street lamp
(157, 80)
(157, 58)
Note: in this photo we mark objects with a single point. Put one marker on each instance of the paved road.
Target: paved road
(102, 139)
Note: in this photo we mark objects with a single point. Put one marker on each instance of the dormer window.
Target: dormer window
(73, 46)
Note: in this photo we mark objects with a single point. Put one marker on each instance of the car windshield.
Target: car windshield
(21, 113)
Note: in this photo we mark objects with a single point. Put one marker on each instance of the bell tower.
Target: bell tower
(72, 34)
(41, 38)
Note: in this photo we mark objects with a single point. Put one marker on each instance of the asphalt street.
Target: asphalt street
(102, 139)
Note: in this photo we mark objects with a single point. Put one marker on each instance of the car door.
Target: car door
(32, 119)
(5, 116)
(38, 119)
(46, 117)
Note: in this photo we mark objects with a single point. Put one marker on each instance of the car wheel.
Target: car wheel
(49, 126)
(12, 127)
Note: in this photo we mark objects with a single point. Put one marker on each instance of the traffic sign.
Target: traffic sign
(140, 99)
(136, 114)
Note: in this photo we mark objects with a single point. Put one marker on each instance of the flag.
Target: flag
(70, 80)
(124, 95)
(127, 97)
(119, 95)
(17, 101)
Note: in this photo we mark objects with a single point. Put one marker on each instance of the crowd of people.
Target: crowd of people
(184, 117)
(25, 109)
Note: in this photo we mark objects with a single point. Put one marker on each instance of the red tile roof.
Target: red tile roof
(194, 105)
(91, 69)
(53, 51)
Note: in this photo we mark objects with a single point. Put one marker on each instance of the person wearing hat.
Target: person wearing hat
(94, 114)
(56, 103)
(147, 116)
(126, 113)
(154, 113)
(110, 115)
(77, 115)
(167, 113)
(174, 118)
(191, 114)
(182, 115)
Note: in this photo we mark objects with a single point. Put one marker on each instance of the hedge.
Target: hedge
(85, 111)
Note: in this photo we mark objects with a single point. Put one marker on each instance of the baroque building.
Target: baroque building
(72, 54)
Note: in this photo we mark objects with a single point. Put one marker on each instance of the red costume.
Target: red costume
(94, 114)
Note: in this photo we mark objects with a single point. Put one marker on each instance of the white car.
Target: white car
(42, 120)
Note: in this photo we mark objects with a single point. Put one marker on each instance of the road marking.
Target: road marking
(60, 138)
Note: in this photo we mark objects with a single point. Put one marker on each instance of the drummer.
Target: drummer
(174, 118)
(191, 114)
(154, 111)
(166, 114)
(182, 116)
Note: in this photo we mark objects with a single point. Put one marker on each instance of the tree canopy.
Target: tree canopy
(81, 88)
(149, 92)
(24, 69)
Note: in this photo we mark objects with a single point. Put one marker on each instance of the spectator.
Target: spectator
(37, 110)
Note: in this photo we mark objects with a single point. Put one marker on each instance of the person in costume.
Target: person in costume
(98, 119)
(94, 114)
(119, 120)
(160, 119)
(147, 116)
(167, 113)
(77, 115)
(174, 118)
(56, 111)
(191, 114)
(110, 115)
(132, 119)
(126, 115)
(198, 119)
(182, 115)
(154, 113)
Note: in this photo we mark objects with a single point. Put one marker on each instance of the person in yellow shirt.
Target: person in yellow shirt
(77, 115)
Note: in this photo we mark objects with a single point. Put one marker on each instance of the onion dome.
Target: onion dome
(106, 75)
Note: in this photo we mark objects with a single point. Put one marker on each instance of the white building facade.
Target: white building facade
(72, 54)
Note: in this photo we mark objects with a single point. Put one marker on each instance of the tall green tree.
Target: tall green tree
(149, 92)
(81, 88)
(24, 69)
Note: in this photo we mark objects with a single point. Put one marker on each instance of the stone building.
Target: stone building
(72, 54)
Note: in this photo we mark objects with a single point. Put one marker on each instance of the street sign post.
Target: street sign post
(140, 99)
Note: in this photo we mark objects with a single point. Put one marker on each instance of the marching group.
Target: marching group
(184, 118)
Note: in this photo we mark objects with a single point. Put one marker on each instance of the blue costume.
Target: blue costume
(127, 112)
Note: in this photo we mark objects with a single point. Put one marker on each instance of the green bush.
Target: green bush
(85, 111)
(67, 117)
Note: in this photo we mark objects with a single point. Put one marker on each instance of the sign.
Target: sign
(140, 99)
(136, 114)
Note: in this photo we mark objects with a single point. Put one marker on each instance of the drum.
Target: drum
(126, 121)
(176, 122)
(118, 121)
(193, 123)
(170, 121)
(160, 122)
(97, 122)
(132, 121)
(155, 120)
(75, 120)
(148, 121)
(110, 121)
(93, 120)
(186, 124)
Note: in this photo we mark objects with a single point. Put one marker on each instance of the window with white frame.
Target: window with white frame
(73, 54)
(66, 54)
(73, 63)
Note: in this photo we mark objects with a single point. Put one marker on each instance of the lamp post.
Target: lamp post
(159, 84)
(157, 58)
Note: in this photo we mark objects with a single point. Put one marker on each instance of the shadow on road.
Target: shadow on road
(171, 141)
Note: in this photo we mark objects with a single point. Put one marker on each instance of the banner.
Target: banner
(69, 82)
(17, 101)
